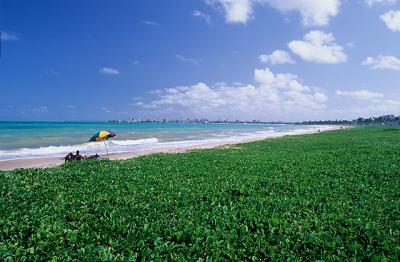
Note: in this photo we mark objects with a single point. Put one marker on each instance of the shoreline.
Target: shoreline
(8, 165)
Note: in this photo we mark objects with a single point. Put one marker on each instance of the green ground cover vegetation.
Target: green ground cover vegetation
(329, 196)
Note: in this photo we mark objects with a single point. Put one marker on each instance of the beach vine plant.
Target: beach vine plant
(331, 196)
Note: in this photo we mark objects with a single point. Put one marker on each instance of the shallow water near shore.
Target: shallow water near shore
(22, 140)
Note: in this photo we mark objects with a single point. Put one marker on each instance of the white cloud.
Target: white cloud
(150, 23)
(313, 12)
(109, 71)
(106, 110)
(138, 63)
(41, 109)
(392, 20)
(318, 47)
(278, 57)
(156, 92)
(236, 11)
(272, 93)
(373, 2)
(360, 94)
(201, 15)
(188, 60)
(374, 108)
(9, 36)
(51, 72)
(382, 62)
(370, 104)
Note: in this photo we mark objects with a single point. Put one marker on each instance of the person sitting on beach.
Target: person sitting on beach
(78, 156)
(96, 156)
(68, 157)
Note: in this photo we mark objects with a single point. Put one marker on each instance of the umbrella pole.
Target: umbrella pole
(106, 149)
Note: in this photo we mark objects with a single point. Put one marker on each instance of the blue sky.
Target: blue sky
(237, 59)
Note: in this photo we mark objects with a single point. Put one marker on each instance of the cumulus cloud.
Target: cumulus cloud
(313, 12)
(272, 93)
(236, 11)
(373, 2)
(318, 47)
(392, 20)
(203, 16)
(382, 62)
(360, 94)
(278, 57)
(373, 108)
(9, 36)
(109, 71)
(370, 104)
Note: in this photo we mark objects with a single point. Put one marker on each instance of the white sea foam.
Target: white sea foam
(134, 142)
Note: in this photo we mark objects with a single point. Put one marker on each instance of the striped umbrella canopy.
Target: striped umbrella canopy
(102, 135)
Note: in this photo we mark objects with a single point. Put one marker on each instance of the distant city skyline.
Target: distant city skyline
(383, 119)
(267, 60)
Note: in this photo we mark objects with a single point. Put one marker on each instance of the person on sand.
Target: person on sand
(69, 157)
(78, 156)
(96, 156)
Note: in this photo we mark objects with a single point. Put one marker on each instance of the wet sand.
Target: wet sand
(56, 161)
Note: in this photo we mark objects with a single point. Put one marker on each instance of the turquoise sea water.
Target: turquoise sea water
(44, 139)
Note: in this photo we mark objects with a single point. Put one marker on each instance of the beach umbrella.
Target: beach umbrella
(102, 136)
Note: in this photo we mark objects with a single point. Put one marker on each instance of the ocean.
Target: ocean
(20, 140)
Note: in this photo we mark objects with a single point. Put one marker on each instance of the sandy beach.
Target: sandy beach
(6, 165)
